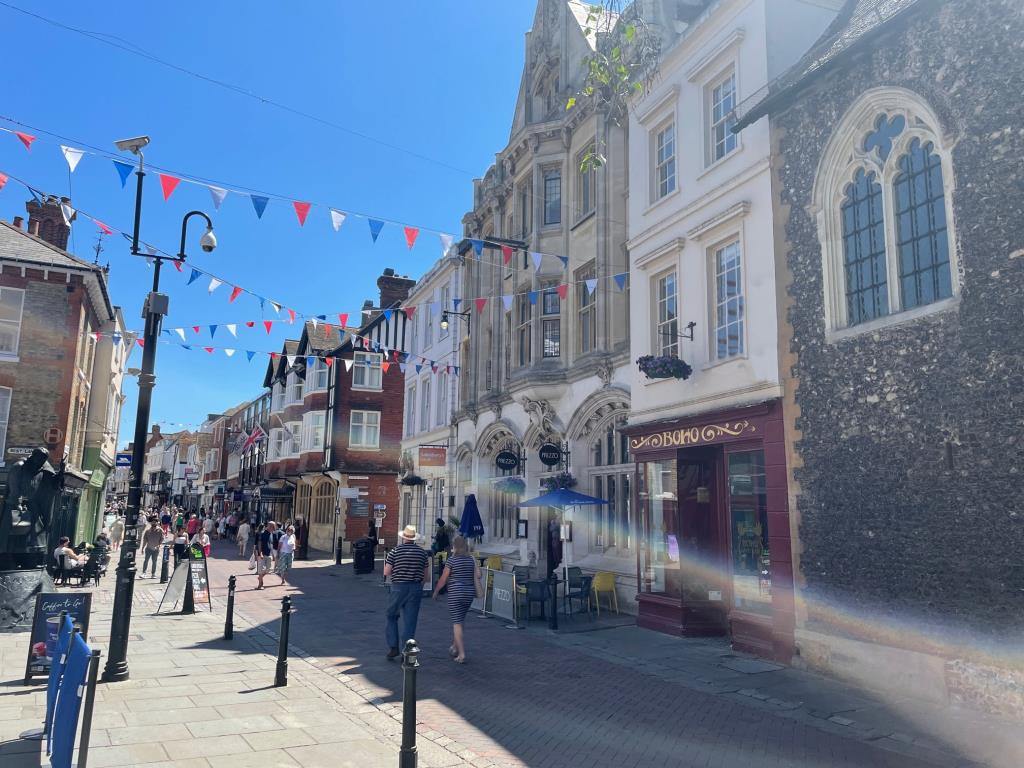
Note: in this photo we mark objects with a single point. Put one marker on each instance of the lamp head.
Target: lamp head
(444, 321)
(208, 241)
(133, 145)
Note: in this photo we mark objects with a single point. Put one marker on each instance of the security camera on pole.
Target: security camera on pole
(155, 307)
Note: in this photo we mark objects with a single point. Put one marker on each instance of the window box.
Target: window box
(663, 367)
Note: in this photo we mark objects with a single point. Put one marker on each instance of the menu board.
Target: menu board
(46, 625)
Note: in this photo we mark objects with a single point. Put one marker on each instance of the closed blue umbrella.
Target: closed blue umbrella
(471, 525)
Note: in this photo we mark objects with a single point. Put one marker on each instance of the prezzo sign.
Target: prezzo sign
(506, 460)
(503, 601)
(550, 454)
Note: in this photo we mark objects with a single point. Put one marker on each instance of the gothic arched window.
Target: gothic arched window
(864, 249)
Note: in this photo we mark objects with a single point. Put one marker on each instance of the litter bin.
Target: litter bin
(362, 555)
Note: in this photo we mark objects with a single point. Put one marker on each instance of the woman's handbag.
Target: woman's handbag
(252, 560)
(477, 583)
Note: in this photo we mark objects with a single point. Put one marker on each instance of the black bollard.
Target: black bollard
(229, 616)
(407, 755)
(553, 618)
(164, 559)
(281, 676)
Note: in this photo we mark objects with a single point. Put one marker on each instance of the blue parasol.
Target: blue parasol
(471, 526)
(562, 497)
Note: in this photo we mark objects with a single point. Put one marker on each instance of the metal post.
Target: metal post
(553, 618)
(188, 602)
(164, 560)
(229, 617)
(407, 755)
(90, 700)
(281, 676)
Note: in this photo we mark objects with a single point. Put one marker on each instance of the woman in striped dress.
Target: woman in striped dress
(461, 576)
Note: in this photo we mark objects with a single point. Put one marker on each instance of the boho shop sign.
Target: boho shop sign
(687, 436)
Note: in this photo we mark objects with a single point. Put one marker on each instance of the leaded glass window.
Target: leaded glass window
(864, 250)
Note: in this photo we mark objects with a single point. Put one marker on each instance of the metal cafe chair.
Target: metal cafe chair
(536, 592)
(581, 592)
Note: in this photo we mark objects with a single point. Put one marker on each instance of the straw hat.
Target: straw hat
(409, 534)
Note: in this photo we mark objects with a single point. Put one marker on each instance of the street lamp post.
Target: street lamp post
(156, 304)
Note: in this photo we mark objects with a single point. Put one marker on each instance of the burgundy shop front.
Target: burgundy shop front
(712, 524)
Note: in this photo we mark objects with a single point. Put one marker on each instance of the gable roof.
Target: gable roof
(856, 22)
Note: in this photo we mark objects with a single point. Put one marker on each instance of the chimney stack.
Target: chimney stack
(393, 289)
(18, 221)
(46, 220)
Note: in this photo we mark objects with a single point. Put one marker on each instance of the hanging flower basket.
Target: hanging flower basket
(663, 367)
(513, 486)
(561, 480)
(412, 480)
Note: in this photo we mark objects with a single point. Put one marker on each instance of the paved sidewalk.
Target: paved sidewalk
(616, 697)
(197, 701)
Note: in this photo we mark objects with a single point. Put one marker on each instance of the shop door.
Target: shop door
(700, 526)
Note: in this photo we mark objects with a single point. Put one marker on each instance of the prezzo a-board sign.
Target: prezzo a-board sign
(196, 562)
(503, 595)
(45, 627)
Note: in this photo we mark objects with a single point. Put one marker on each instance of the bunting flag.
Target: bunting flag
(507, 300)
(213, 330)
(478, 246)
(267, 324)
(178, 265)
(209, 350)
(3, 180)
(72, 155)
(563, 291)
(259, 204)
(538, 259)
(387, 315)
(103, 227)
(446, 243)
(124, 170)
(385, 365)
(214, 284)
(409, 312)
(291, 315)
(337, 219)
(419, 367)
(276, 306)
(314, 321)
(250, 323)
(26, 139)
(310, 361)
(480, 304)
(249, 354)
(186, 346)
(274, 356)
(229, 352)
(66, 211)
(168, 184)
(116, 337)
(235, 293)
(411, 233)
(343, 319)
(532, 295)
(232, 329)
(506, 254)
(180, 332)
(328, 361)
(140, 342)
(565, 261)
(348, 365)
(301, 210)
(375, 228)
(193, 277)
(218, 196)
(195, 329)
(591, 285)
(401, 367)
(455, 304)
(620, 280)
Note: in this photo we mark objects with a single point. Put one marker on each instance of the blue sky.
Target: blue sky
(438, 79)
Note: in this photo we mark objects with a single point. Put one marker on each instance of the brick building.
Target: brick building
(52, 306)
(900, 199)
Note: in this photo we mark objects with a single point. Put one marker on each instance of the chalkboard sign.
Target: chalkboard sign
(200, 577)
(45, 626)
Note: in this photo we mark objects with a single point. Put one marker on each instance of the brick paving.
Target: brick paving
(525, 698)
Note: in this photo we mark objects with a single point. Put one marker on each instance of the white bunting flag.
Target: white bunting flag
(337, 219)
(348, 365)
(232, 329)
(67, 212)
(290, 359)
(218, 196)
(507, 299)
(314, 321)
(276, 306)
(72, 155)
(180, 332)
(446, 243)
(537, 259)
(229, 352)
(214, 284)
(591, 285)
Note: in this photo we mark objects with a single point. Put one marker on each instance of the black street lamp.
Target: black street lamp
(155, 308)
(448, 313)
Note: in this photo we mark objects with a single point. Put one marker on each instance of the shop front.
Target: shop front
(712, 524)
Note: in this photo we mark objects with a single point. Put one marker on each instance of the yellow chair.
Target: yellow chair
(493, 562)
(605, 582)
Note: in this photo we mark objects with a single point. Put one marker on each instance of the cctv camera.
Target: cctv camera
(208, 241)
(132, 145)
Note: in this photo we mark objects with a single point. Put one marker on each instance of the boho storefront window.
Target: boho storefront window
(659, 510)
(748, 523)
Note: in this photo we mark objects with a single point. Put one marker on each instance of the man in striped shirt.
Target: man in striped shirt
(408, 566)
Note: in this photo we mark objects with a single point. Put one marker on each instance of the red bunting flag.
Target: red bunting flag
(301, 210)
(267, 324)
(343, 319)
(195, 328)
(563, 291)
(26, 139)
(328, 329)
(273, 355)
(291, 315)
(178, 265)
(250, 323)
(480, 304)
(384, 366)
(411, 233)
(168, 184)
(209, 349)
(328, 361)
(140, 342)
(235, 293)
(409, 312)
(3, 180)
(96, 335)
(103, 227)
(506, 254)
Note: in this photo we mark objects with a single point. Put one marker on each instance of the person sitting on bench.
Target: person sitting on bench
(71, 560)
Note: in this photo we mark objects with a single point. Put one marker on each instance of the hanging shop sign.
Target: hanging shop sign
(433, 456)
(550, 454)
(507, 461)
(687, 436)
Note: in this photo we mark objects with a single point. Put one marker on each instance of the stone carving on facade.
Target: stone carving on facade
(605, 370)
(541, 414)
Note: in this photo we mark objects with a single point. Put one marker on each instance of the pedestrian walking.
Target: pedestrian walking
(263, 550)
(180, 546)
(209, 525)
(408, 566)
(442, 541)
(152, 540)
(242, 538)
(202, 539)
(285, 552)
(462, 577)
(222, 526)
(117, 532)
(193, 525)
(165, 521)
